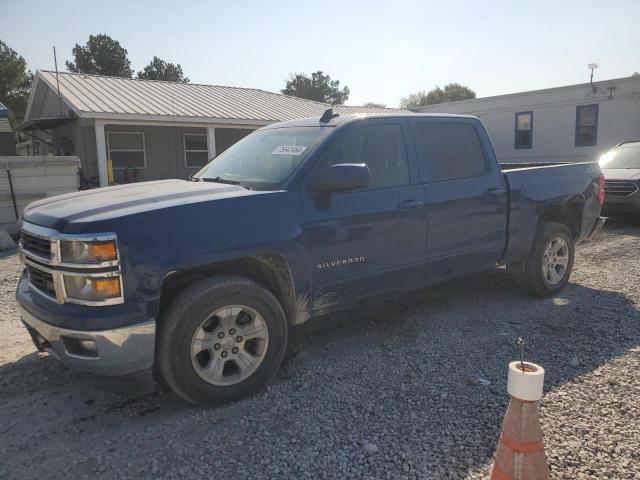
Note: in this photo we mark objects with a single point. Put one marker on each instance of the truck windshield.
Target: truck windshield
(621, 157)
(264, 159)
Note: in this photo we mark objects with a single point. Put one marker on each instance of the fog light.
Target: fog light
(81, 347)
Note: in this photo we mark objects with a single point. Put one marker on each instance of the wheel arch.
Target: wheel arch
(567, 213)
(268, 270)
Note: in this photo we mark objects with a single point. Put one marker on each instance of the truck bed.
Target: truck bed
(528, 165)
(542, 190)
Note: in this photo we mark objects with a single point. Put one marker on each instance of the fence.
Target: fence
(26, 179)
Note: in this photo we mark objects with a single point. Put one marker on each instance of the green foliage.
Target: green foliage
(413, 100)
(102, 55)
(375, 105)
(449, 93)
(318, 87)
(15, 83)
(160, 70)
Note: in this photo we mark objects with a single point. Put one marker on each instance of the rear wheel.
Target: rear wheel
(550, 262)
(220, 340)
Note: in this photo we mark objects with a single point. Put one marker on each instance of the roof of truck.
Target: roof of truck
(340, 119)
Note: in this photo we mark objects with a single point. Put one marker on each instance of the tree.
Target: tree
(318, 87)
(374, 105)
(158, 69)
(15, 83)
(413, 100)
(449, 93)
(101, 55)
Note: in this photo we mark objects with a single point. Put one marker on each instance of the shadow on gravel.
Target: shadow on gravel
(452, 344)
(7, 253)
(630, 224)
(422, 375)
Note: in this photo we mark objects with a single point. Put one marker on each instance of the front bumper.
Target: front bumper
(117, 352)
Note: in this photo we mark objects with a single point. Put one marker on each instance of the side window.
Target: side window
(448, 151)
(586, 125)
(524, 130)
(126, 149)
(381, 147)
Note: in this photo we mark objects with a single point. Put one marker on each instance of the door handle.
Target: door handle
(493, 192)
(408, 204)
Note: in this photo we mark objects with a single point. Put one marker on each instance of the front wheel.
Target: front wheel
(550, 262)
(220, 340)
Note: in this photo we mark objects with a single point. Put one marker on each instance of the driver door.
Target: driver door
(370, 240)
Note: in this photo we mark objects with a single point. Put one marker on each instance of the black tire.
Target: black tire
(533, 278)
(185, 314)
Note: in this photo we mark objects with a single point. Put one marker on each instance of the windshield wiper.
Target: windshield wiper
(222, 180)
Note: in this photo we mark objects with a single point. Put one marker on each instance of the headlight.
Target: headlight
(78, 251)
(92, 289)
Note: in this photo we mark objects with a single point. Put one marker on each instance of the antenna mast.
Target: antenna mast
(55, 60)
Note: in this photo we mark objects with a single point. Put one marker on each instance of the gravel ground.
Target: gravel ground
(410, 387)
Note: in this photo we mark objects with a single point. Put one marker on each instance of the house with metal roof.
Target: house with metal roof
(150, 129)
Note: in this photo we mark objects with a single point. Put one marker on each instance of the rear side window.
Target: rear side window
(381, 147)
(448, 151)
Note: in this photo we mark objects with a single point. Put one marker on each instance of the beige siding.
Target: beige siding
(164, 150)
(34, 178)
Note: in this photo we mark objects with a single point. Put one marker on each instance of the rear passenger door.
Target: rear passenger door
(466, 196)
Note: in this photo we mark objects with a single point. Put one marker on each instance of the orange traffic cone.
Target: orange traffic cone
(520, 454)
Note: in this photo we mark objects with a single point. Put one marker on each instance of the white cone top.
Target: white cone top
(525, 385)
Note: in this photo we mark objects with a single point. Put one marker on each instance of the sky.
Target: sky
(381, 50)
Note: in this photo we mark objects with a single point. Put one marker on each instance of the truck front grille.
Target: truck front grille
(35, 245)
(620, 188)
(42, 281)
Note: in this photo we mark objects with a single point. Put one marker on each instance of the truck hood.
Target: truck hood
(112, 202)
(621, 173)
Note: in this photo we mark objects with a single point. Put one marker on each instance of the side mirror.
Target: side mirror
(342, 177)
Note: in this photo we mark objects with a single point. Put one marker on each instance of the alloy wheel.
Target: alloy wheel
(229, 345)
(555, 261)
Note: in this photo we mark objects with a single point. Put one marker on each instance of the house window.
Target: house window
(196, 150)
(586, 125)
(524, 130)
(126, 149)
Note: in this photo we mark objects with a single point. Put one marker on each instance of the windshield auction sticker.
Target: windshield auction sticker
(289, 150)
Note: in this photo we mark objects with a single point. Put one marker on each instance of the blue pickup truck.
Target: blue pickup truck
(198, 281)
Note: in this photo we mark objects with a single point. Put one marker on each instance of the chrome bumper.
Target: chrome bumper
(116, 352)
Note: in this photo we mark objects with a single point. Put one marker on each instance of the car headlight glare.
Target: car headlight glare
(78, 251)
(92, 289)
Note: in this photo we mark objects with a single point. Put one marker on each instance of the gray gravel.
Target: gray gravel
(410, 387)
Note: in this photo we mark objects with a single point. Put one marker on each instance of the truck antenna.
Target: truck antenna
(327, 115)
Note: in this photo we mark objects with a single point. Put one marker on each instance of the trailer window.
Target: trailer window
(524, 130)
(586, 125)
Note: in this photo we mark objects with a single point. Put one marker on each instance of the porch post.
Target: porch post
(211, 141)
(101, 150)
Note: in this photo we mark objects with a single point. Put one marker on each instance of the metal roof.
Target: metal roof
(97, 96)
